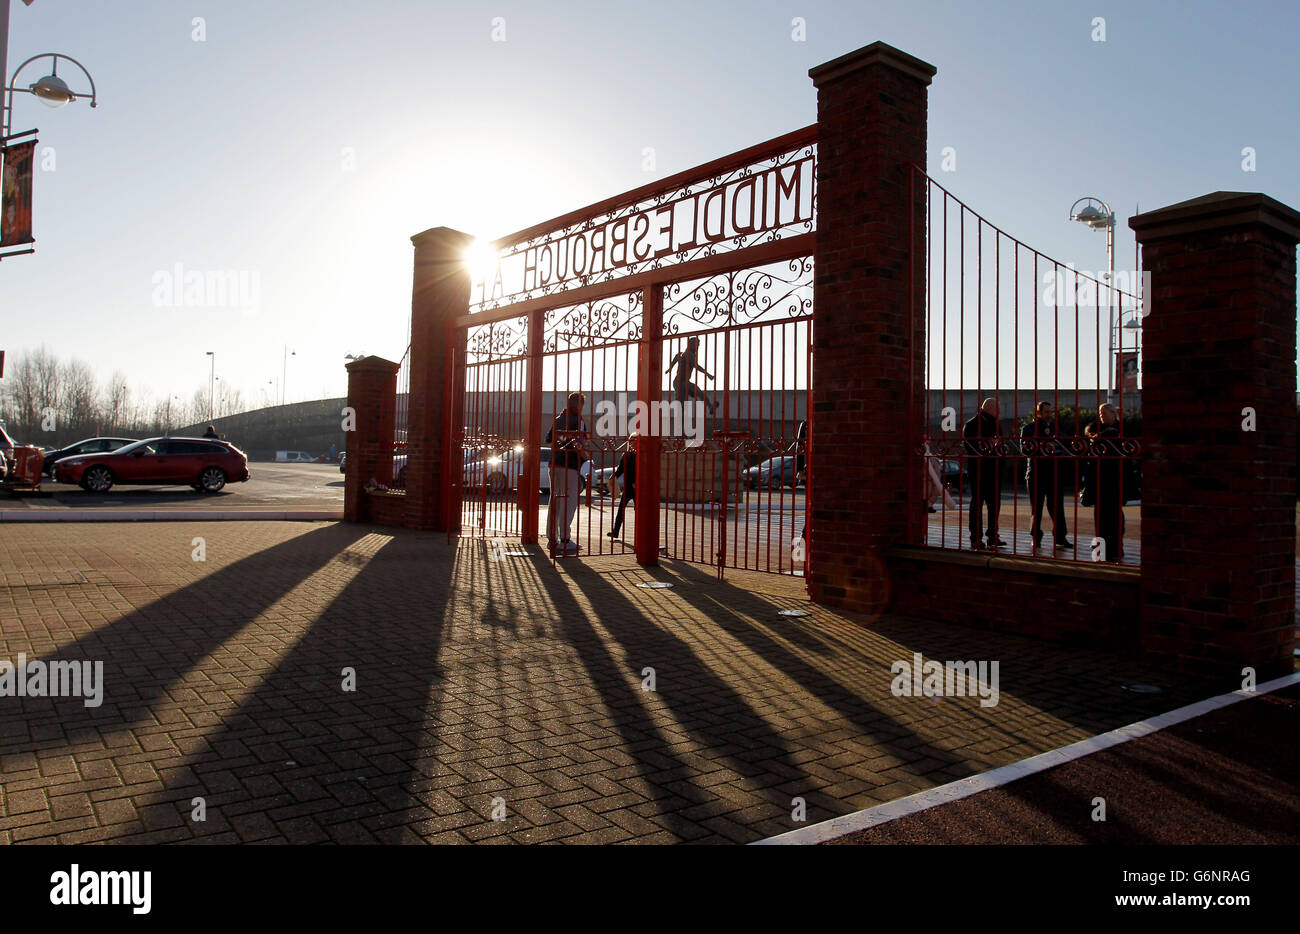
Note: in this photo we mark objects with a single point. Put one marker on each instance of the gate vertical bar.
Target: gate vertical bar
(453, 421)
(648, 387)
(530, 499)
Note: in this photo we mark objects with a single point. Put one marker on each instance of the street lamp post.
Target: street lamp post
(1099, 216)
(1134, 324)
(212, 384)
(284, 373)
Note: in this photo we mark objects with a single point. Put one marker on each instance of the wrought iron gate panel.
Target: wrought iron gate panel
(491, 427)
(724, 485)
(591, 348)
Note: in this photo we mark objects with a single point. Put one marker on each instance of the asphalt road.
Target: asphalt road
(284, 486)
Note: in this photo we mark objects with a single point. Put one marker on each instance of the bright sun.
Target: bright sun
(481, 258)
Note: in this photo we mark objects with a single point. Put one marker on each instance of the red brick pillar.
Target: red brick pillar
(1218, 499)
(440, 293)
(871, 129)
(372, 396)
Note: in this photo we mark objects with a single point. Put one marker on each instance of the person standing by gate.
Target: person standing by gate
(1043, 476)
(566, 438)
(983, 466)
(627, 470)
(1109, 479)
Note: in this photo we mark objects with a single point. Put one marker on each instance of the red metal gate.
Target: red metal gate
(630, 303)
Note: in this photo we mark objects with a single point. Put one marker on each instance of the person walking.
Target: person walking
(983, 466)
(1043, 476)
(1109, 479)
(627, 470)
(934, 488)
(566, 437)
(211, 432)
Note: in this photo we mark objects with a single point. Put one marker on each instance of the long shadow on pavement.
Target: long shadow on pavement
(147, 653)
(307, 757)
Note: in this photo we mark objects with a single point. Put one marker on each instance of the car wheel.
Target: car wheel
(497, 483)
(97, 480)
(212, 479)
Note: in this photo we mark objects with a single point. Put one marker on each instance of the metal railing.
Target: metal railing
(1009, 329)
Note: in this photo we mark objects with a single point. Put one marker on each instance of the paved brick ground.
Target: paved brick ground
(1231, 776)
(478, 680)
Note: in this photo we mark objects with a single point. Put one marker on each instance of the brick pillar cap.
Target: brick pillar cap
(372, 364)
(1216, 211)
(878, 53)
(442, 240)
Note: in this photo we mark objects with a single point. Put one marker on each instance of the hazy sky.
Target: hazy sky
(303, 142)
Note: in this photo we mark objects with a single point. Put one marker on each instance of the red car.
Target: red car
(203, 463)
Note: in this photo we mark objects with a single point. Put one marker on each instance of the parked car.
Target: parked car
(599, 482)
(205, 464)
(774, 472)
(294, 457)
(7, 445)
(499, 472)
(88, 446)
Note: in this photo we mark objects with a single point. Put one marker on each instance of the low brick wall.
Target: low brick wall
(1084, 606)
(386, 508)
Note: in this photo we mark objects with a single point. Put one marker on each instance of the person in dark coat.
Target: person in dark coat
(627, 470)
(211, 432)
(1043, 475)
(1109, 480)
(567, 438)
(983, 466)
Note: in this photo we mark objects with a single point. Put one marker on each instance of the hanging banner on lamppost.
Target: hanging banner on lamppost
(16, 211)
(1126, 370)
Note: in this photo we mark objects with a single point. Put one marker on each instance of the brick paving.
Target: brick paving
(480, 684)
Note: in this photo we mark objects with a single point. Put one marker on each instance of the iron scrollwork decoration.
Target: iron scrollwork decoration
(769, 199)
(602, 323)
(497, 341)
(1062, 447)
(778, 291)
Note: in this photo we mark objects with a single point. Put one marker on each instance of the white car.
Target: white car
(499, 472)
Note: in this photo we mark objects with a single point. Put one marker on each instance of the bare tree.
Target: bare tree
(79, 410)
(21, 411)
(116, 402)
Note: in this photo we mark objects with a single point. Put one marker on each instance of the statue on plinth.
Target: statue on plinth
(687, 362)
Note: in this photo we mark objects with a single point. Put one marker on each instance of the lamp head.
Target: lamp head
(53, 91)
(1092, 215)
